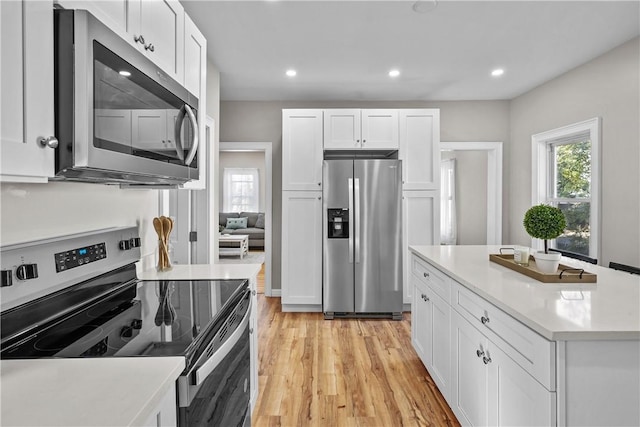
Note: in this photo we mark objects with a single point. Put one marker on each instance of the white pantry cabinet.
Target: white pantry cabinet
(355, 129)
(165, 414)
(301, 250)
(154, 27)
(301, 150)
(420, 226)
(420, 149)
(27, 91)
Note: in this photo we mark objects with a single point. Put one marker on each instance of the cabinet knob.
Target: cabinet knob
(319, 183)
(484, 320)
(51, 142)
(253, 292)
(250, 330)
(425, 274)
(364, 140)
(486, 360)
(138, 39)
(149, 47)
(480, 353)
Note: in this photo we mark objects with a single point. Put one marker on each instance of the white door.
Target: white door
(420, 149)
(161, 23)
(302, 247)
(515, 397)
(302, 150)
(149, 129)
(421, 327)
(342, 129)
(469, 374)
(113, 125)
(380, 129)
(420, 226)
(440, 321)
(26, 84)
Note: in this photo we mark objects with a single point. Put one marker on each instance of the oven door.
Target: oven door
(216, 391)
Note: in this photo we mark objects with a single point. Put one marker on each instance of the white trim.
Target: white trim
(494, 183)
(266, 147)
(539, 143)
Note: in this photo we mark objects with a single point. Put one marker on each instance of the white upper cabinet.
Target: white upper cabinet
(301, 150)
(420, 149)
(354, 129)
(26, 72)
(155, 27)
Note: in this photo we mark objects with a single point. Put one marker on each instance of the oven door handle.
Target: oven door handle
(207, 367)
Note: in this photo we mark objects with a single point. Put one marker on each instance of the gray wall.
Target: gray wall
(243, 159)
(606, 87)
(242, 121)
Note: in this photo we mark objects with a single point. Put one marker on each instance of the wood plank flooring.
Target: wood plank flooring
(316, 372)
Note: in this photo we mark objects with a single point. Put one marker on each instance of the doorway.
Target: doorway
(493, 152)
(266, 149)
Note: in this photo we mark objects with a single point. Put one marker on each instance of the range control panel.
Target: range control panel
(80, 256)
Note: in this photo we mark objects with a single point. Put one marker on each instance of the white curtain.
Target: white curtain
(448, 229)
(241, 190)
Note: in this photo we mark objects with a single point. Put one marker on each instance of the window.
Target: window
(448, 230)
(241, 190)
(566, 164)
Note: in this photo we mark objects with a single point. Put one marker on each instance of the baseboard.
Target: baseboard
(301, 308)
(275, 293)
(406, 307)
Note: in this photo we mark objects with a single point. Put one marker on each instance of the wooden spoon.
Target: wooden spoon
(166, 228)
(159, 227)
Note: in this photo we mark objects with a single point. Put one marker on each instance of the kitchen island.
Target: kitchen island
(506, 349)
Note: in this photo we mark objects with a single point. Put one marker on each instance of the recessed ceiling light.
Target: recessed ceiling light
(424, 6)
(291, 73)
(125, 73)
(497, 72)
(394, 73)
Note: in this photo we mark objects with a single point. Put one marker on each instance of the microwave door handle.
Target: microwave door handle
(207, 367)
(178, 134)
(195, 141)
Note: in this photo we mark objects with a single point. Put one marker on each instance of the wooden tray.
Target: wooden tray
(565, 273)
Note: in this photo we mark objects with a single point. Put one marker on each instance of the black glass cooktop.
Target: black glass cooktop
(115, 315)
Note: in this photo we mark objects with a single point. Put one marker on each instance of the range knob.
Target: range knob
(125, 245)
(126, 332)
(135, 242)
(27, 271)
(136, 323)
(7, 278)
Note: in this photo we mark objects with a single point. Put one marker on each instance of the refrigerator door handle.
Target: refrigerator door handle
(356, 196)
(350, 185)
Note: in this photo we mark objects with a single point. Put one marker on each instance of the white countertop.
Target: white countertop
(203, 272)
(608, 310)
(85, 392)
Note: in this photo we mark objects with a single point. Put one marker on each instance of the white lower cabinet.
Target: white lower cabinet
(489, 388)
(165, 414)
(487, 380)
(253, 345)
(301, 250)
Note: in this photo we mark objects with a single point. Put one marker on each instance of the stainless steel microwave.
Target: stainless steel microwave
(118, 117)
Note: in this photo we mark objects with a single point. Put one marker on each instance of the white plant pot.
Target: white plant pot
(547, 263)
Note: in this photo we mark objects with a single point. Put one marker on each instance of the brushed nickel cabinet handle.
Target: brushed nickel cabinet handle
(149, 47)
(138, 39)
(480, 353)
(486, 360)
(484, 320)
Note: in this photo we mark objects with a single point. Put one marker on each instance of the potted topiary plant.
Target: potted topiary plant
(545, 222)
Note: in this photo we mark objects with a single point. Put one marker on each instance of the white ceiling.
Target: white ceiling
(343, 50)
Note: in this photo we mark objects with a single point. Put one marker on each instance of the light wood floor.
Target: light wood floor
(316, 372)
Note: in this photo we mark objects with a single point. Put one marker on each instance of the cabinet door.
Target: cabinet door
(113, 125)
(302, 150)
(515, 397)
(469, 398)
(440, 368)
(420, 149)
(26, 84)
(342, 129)
(165, 414)
(421, 327)
(113, 13)
(149, 129)
(380, 129)
(195, 66)
(161, 23)
(420, 226)
(302, 247)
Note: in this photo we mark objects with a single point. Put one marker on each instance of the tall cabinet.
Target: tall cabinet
(415, 133)
(302, 210)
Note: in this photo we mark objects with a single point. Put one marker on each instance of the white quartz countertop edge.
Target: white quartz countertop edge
(553, 334)
(203, 272)
(85, 392)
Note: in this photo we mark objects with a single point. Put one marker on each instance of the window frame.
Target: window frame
(228, 174)
(541, 171)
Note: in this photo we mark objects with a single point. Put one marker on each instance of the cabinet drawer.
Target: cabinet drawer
(437, 281)
(531, 351)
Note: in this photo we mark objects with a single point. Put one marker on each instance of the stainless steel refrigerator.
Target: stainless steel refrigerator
(362, 255)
